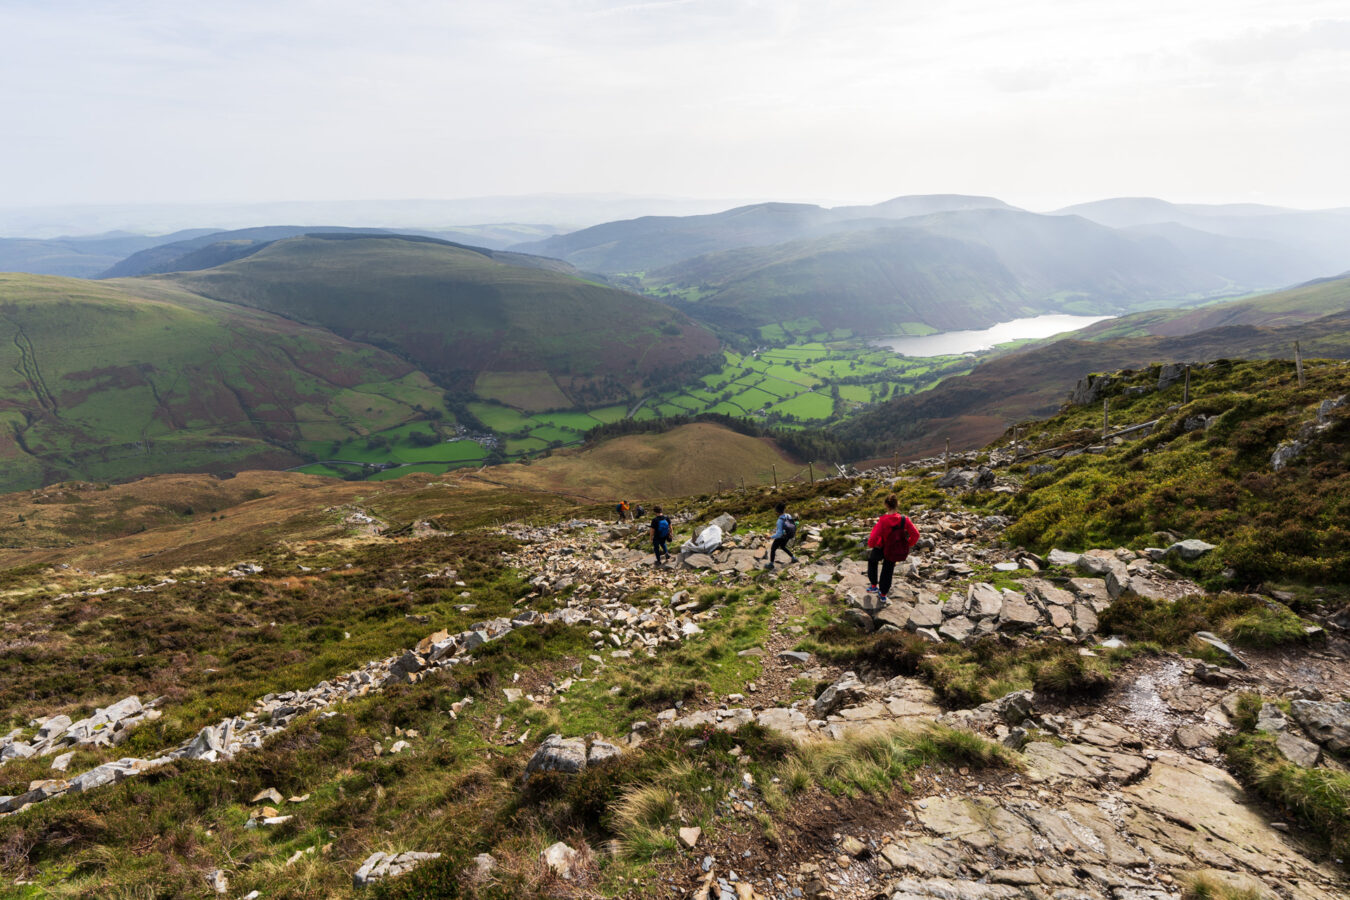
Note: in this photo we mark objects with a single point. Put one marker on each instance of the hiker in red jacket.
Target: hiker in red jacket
(890, 542)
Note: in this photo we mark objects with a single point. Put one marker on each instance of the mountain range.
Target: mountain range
(211, 350)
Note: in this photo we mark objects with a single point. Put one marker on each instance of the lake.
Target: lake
(950, 342)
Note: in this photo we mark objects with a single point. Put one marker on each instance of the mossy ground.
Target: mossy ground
(1215, 483)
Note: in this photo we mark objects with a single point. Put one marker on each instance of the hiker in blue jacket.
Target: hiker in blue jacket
(661, 530)
(783, 532)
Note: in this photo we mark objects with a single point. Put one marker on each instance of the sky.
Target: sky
(1041, 103)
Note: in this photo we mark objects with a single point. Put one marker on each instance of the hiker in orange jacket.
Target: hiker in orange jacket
(890, 541)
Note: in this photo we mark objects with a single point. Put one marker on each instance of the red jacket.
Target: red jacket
(883, 527)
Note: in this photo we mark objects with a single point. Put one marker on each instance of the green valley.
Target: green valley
(110, 381)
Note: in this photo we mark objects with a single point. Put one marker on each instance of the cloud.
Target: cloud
(331, 99)
(1281, 43)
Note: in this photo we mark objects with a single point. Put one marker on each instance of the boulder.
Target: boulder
(1092, 591)
(1190, 549)
(983, 600)
(407, 664)
(859, 620)
(379, 866)
(726, 522)
(847, 691)
(897, 615)
(120, 710)
(698, 561)
(1326, 722)
(1047, 593)
(925, 615)
(1213, 641)
(558, 754)
(968, 479)
(16, 750)
(1062, 558)
(562, 860)
(53, 728)
(1297, 750)
(1017, 614)
(958, 629)
(1016, 707)
(601, 751)
(1084, 620)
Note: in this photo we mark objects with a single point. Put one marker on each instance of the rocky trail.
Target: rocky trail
(1124, 796)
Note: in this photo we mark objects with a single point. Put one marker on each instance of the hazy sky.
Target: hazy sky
(1040, 103)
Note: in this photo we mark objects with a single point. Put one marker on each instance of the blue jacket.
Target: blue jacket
(778, 531)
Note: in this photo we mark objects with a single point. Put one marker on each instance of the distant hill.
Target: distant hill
(113, 380)
(493, 237)
(650, 242)
(879, 280)
(203, 251)
(1304, 303)
(966, 269)
(974, 409)
(216, 248)
(1318, 238)
(460, 313)
(690, 459)
(78, 257)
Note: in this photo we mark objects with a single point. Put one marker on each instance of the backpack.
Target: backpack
(789, 528)
(662, 529)
(895, 545)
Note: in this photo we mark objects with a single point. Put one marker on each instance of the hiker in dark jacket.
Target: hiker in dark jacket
(890, 541)
(661, 530)
(783, 530)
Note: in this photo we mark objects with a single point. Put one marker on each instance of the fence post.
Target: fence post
(947, 457)
(775, 475)
(742, 484)
(1186, 388)
(1106, 415)
(1298, 363)
(812, 468)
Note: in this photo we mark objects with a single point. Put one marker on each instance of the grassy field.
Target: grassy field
(685, 460)
(788, 387)
(110, 381)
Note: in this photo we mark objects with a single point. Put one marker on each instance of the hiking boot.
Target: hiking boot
(883, 599)
(872, 589)
(768, 567)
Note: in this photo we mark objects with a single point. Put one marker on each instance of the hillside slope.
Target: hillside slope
(115, 380)
(1325, 296)
(457, 313)
(690, 459)
(974, 409)
(504, 688)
